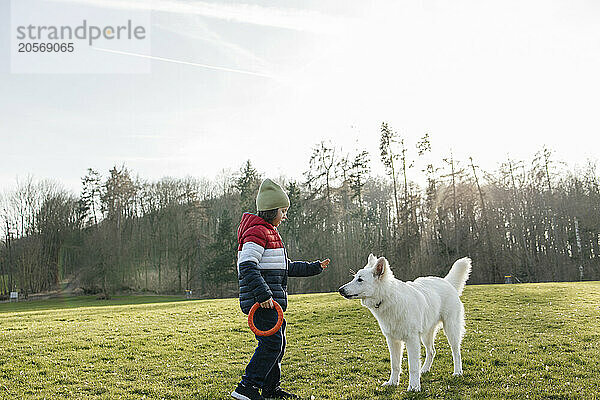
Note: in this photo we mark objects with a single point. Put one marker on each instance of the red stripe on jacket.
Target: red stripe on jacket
(255, 229)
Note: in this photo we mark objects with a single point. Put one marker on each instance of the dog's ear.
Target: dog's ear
(372, 259)
(380, 267)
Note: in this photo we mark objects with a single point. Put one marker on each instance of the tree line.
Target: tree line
(535, 221)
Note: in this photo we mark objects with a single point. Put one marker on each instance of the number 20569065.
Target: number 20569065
(45, 48)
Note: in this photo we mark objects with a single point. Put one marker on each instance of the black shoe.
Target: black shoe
(242, 392)
(278, 393)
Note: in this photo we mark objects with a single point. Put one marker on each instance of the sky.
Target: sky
(268, 80)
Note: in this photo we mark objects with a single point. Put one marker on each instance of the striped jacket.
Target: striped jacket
(263, 266)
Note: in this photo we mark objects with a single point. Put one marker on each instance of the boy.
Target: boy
(263, 269)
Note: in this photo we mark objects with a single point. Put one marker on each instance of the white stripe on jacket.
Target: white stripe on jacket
(264, 258)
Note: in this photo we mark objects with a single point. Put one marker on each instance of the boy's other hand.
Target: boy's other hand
(325, 263)
(267, 304)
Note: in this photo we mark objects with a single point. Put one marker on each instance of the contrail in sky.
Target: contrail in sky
(239, 71)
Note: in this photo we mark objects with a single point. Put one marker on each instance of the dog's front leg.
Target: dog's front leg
(396, 348)
(413, 349)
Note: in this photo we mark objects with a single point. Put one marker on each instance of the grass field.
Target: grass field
(536, 341)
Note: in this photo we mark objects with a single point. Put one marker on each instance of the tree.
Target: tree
(247, 184)
(454, 174)
(488, 237)
(321, 170)
(359, 173)
(221, 268)
(388, 156)
(90, 196)
(119, 205)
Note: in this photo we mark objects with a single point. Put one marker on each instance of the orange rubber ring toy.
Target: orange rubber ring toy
(271, 331)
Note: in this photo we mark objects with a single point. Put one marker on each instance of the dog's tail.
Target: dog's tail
(459, 274)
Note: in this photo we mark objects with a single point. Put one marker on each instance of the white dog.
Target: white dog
(411, 311)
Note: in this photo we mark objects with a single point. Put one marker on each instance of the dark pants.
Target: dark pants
(264, 368)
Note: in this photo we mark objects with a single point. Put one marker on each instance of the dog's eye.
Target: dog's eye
(359, 280)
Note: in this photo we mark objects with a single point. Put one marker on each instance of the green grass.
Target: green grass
(536, 341)
(59, 303)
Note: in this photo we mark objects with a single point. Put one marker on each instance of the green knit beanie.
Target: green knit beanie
(271, 196)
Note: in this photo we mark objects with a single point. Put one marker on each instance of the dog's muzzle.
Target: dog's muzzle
(342, 291)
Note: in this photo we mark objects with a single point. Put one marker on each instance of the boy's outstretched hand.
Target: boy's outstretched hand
(325, 263)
